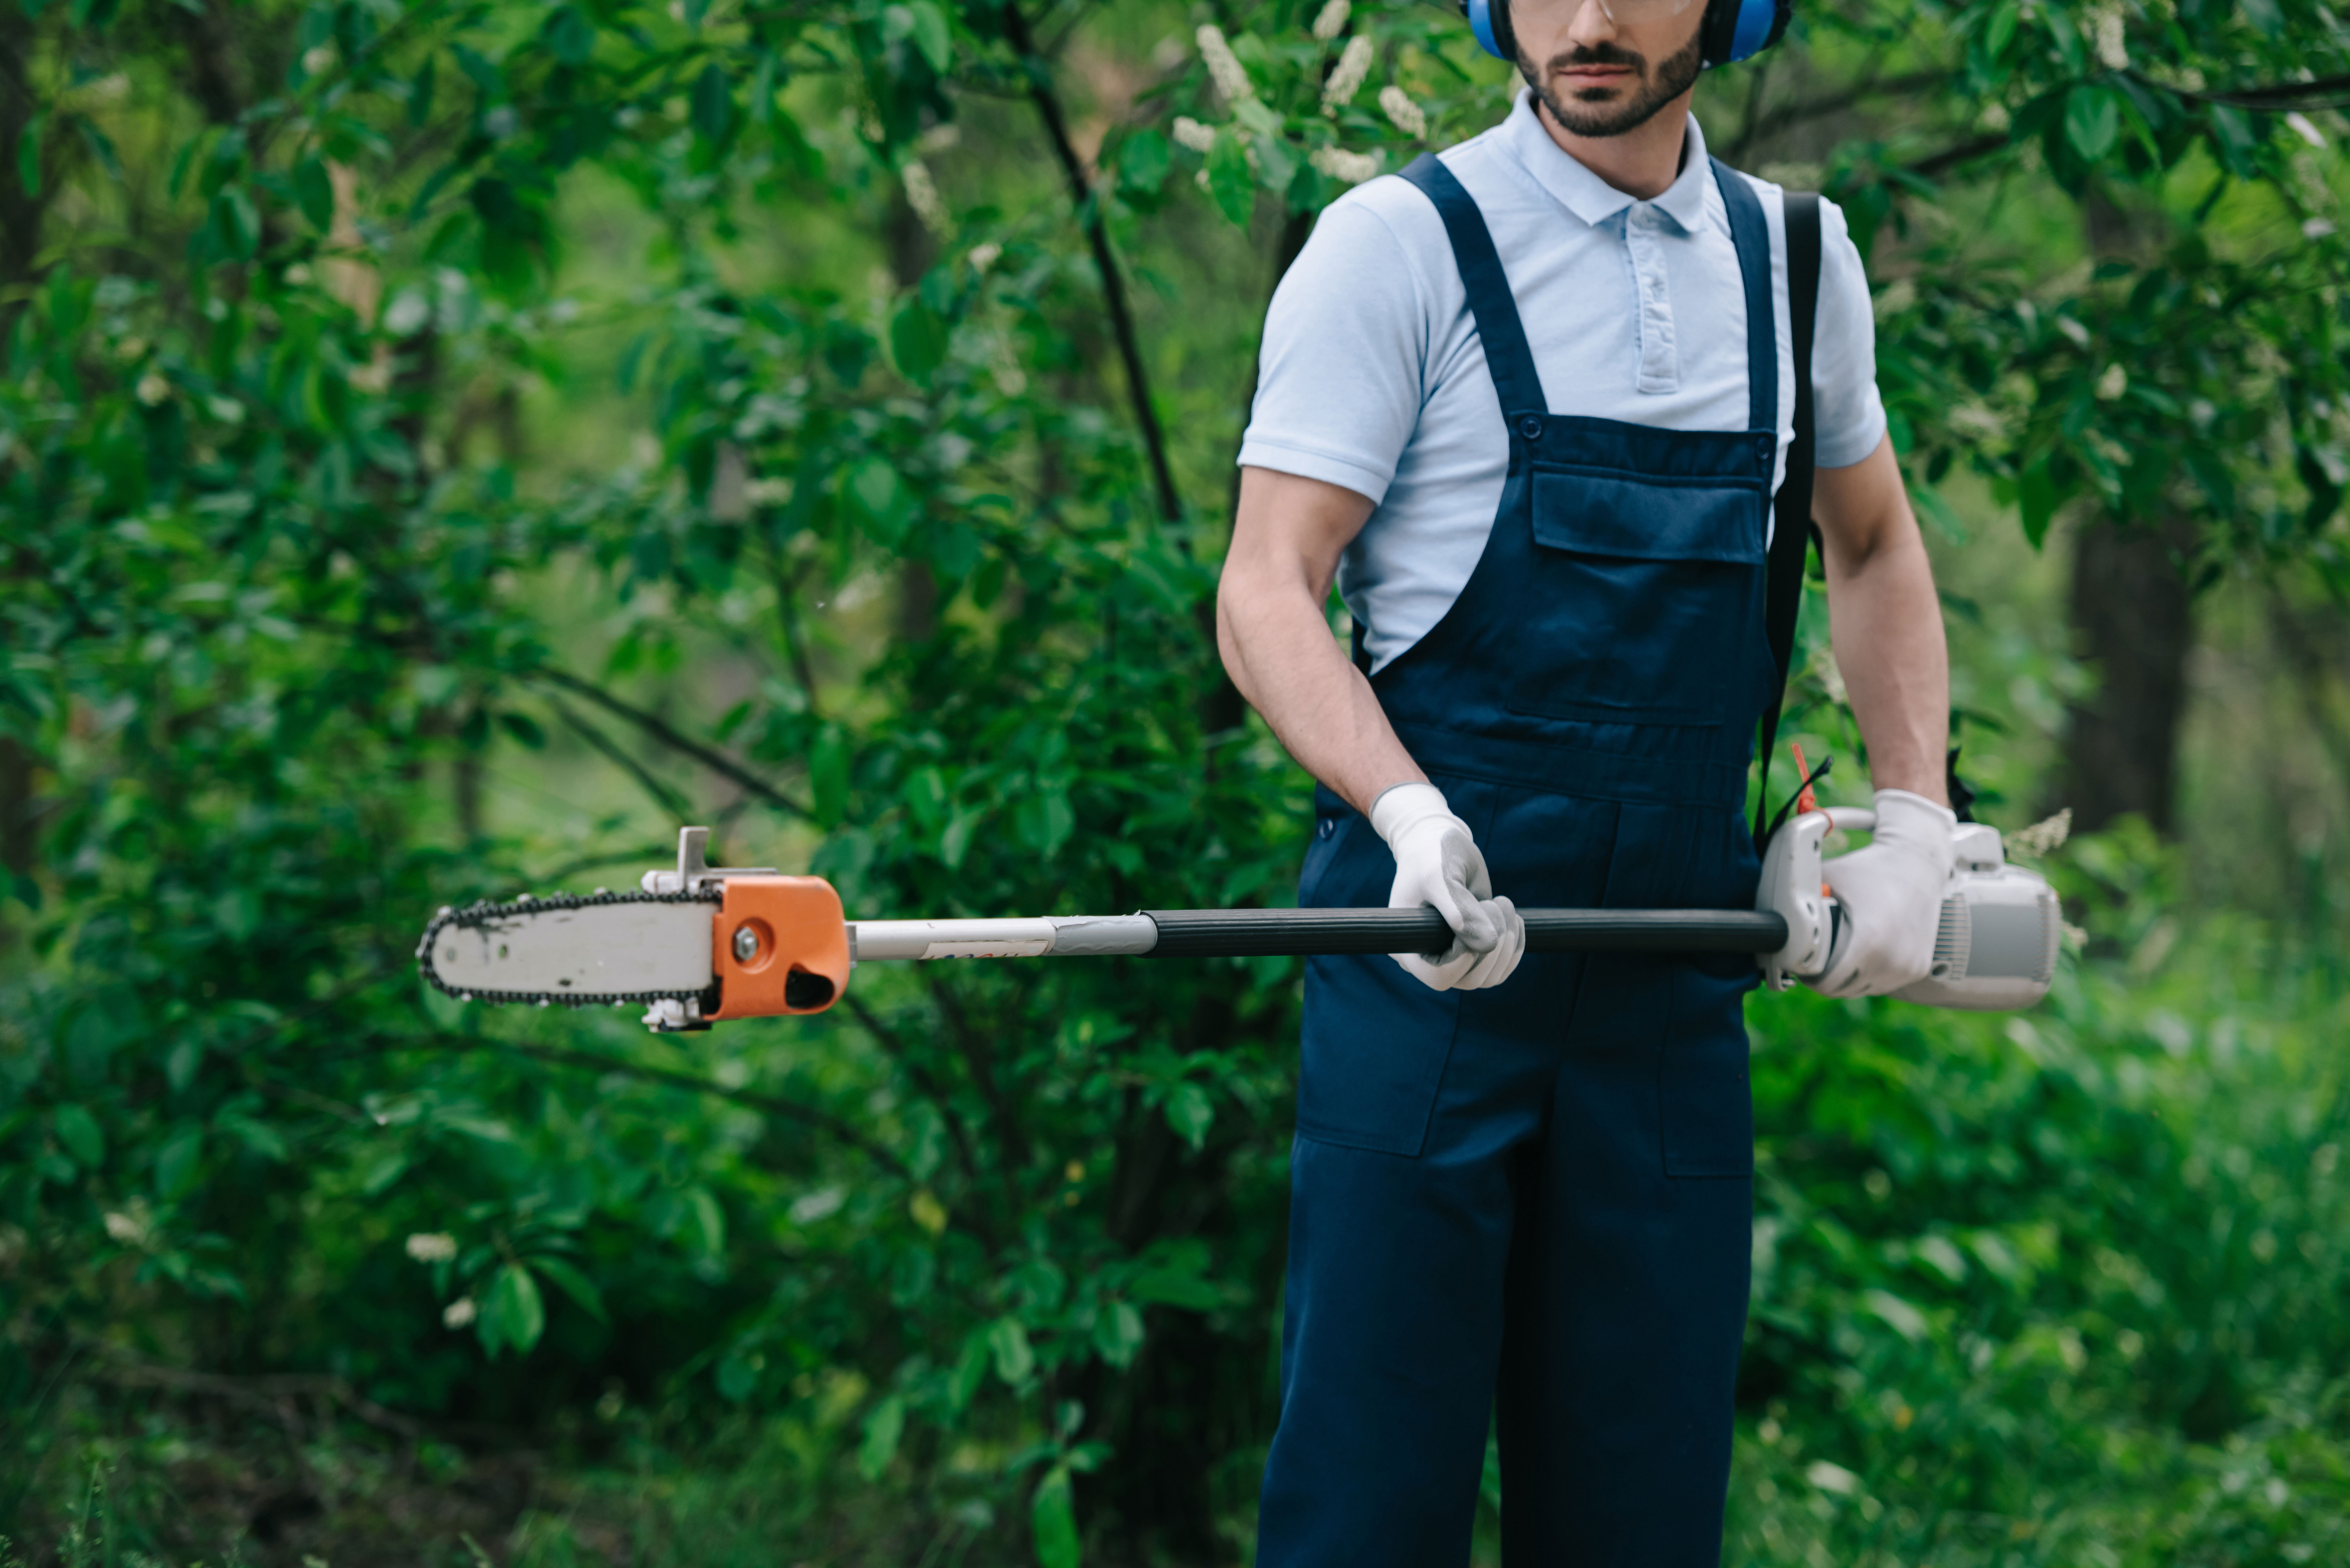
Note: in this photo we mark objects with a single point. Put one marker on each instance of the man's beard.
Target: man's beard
(1652, 92)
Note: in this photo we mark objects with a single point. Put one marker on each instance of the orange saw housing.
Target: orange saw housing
(797, 958)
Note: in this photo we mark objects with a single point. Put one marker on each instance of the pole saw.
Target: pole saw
(704, 944)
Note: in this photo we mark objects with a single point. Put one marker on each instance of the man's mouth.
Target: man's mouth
(1588, 75)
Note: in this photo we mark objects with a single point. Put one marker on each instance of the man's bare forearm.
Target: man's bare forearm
(1885, 624)
(1278, 645)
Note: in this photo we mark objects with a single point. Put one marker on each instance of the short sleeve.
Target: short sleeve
(1341, 373)
(1846, 410)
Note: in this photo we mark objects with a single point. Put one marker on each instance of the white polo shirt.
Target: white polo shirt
(1372, 374)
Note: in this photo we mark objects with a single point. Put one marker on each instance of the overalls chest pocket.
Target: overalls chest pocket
(1652, 587)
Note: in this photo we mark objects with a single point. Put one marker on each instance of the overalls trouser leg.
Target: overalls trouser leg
(1530, 1208)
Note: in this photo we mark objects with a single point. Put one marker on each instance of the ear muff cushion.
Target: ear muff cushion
(1741, 29)
(1489, 21)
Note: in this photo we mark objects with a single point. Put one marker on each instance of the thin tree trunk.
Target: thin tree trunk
(21, 212)
(2132, 623)
(912, 252)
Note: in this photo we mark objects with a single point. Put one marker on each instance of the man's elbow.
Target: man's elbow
(1230, 591)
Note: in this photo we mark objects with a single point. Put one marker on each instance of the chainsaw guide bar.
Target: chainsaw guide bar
(471, 953)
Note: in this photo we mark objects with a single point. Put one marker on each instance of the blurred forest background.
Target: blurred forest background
(445, 446)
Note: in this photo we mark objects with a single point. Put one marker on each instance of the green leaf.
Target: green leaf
(917, 340)
(1143, 161)
(881, 499)
(525, 729)
(29, 155)
(2093, 120)
(737, 1374)
(78, 1131)
(235, 224)
(1904, 1318)
(1175, 1287)
(2000, 31)
(1230, 180)
(571, 36)
(2035, 493)
(714, 103)
(925, 794)
(931, 36)
(419, 91)
(1054, 1517)
(177, 1160)
(955, 842)
(1190, 1113)
(970, 1367)
(513, 1312)
(708, 1232)
(1043, 820)
(315, 191)
(1276, 164)
(1117, 1333)
(566, 1277)
(1015, 1358)
(883, 1427)
(828, 761)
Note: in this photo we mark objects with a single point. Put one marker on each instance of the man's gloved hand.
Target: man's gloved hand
(1437, 862)
(1892, 897)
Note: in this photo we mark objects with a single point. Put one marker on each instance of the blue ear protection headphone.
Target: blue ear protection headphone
(1732, 29)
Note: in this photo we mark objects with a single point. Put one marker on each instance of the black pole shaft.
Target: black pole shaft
(1251, 933)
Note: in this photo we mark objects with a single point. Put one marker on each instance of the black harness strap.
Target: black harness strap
(1793, 530)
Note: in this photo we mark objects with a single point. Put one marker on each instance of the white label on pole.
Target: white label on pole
(1036, 948)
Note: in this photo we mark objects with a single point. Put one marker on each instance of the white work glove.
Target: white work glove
(1892, 897)
(1437, 863)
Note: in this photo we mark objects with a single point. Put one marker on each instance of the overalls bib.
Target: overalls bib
(1532, 1205)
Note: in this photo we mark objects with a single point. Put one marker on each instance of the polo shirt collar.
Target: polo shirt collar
(1586, 194)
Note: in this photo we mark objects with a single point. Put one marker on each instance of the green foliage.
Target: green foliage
(585, 399)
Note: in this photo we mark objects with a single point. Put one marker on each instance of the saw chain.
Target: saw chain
(485, 918)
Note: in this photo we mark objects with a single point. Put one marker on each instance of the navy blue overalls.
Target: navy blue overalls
(1532, 1205)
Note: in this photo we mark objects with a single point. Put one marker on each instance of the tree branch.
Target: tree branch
(893, 1045)
(2268, 96)
(660, 730)
(1089, 217)
(556, 1055)
(668, 799)
(982, 1061)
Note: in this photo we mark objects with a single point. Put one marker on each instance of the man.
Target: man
(1525, 402)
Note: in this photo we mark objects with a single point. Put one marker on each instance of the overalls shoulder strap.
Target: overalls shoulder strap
(1749, 233)
(1490, 300)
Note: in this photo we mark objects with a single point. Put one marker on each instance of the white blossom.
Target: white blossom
(125, 1229)
(1977, 422)
(2113, 50)
(2044, 836)
(922, 195)
(1352, 167)
(433, 1247)
(1190, 133)
(1332, 20)
(983, 255)
(1402, 112)
(1223, 66)
(2113, 383)
(460, 1312)
(1346, 77)
(153, 389)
